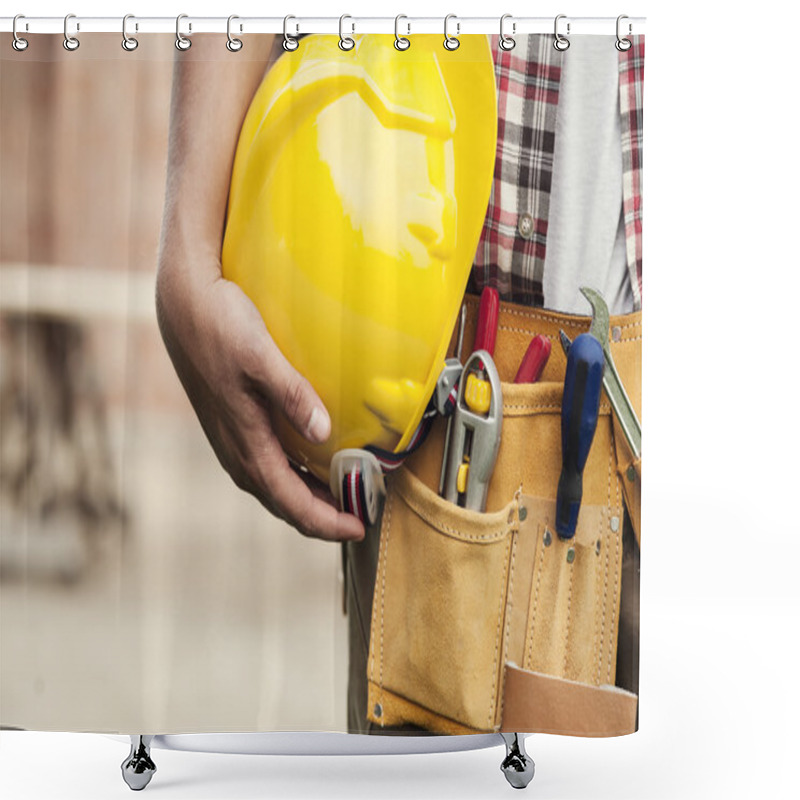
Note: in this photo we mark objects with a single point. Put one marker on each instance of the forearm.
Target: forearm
(212, 89)
(232, 370)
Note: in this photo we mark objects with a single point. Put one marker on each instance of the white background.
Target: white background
(721, 559)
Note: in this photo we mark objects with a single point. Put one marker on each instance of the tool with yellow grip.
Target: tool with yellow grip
(475, 434)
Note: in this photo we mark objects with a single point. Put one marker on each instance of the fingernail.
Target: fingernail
(319, 426)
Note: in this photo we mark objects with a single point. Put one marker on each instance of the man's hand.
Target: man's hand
(236, 379)
(235, 376)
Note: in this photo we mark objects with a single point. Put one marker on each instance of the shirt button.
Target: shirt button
(525, 226)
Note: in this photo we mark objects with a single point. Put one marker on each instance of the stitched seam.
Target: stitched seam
(535, 605)
(616, 571)
(533, 315)
(383, 586)
(614, 606)
(509, 608)
(604, 408)
(524, 314)
(569, 619)
(530, 331)
(621, 513)
(374, 614)
(496, 535)
(388, 513)
(631, 339)
(605, 575)
(497, 646)
(529, 407)
(618, 537)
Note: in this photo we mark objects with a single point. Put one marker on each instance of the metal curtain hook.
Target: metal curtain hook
(623, 44)
(451, 42)
(234, 45)
(507, 42)
(181, 42)
(18, 43)
(400, 42)
(129, 43)
(346, 42)
(71, 43)
(560, 42)
(290, 44)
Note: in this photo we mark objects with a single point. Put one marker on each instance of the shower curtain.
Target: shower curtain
(223, 267)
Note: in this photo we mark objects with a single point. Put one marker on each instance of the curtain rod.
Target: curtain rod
(408, 26)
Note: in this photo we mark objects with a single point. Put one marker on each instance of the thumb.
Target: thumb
(292, 393)
(304, 409)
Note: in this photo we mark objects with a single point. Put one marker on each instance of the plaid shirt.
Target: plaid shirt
(527, 92)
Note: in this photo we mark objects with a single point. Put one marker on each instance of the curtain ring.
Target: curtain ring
(623, 44)
(451, 42)
(18, 43)
(129, 43)
(290, 44)
(234, 45)
(181, 42)
(560, 42)
(400, 42)
(71, 43)
(507, 42)
(345, 42)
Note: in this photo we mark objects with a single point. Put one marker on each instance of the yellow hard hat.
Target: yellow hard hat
(359, 188)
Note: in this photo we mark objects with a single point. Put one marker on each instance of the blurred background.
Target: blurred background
(140, 591)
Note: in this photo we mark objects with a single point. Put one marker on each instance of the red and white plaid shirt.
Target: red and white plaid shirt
(528, 80)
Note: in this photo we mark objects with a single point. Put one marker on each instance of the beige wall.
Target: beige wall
(194, 610)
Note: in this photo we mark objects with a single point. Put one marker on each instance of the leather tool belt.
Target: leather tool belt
(487, 621)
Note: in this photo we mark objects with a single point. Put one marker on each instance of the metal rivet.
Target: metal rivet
(523, 513)
(597, 547)
(525, 226)
(631, 474)
(378, 710)
(616, 334)
(570, 555)
(615, 524)
(548, 537)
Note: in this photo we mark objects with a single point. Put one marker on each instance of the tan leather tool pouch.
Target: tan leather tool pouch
(489, 621)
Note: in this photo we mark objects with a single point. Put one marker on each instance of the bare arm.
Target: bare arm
(233, 373)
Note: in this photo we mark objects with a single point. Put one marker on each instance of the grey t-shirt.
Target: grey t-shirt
(586, 232)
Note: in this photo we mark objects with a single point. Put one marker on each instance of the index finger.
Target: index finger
(311, 514)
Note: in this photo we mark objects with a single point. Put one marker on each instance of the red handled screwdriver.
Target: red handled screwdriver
(534, 360)
(488, 315)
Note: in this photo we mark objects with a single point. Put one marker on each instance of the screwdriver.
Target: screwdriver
(488, 314)
(534, 360)
(579, 409)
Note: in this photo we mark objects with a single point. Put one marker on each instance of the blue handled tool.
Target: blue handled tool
(579, 409)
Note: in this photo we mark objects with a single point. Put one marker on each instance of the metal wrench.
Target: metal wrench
(475, 439)
(447, 384)
(620, 403)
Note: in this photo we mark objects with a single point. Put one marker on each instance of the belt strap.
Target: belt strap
(538, 703)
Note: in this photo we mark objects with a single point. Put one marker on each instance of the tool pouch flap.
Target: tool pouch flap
(439, 565)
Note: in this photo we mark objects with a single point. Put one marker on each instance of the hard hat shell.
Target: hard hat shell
(358, 193)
